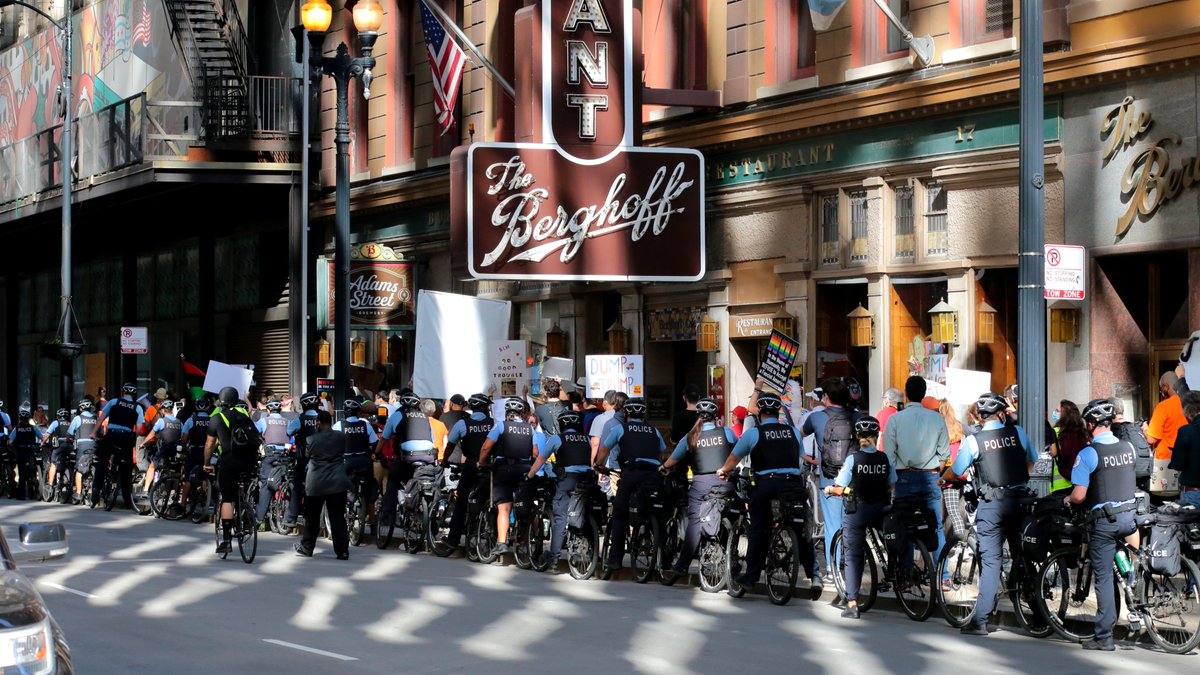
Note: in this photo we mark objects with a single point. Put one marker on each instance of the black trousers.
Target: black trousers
(265, 494)
(336, 505)
(701, 486)
(765, 489)
(298, 476)
(118, 447)
(631, 479)
(466, 482)
(27, 474)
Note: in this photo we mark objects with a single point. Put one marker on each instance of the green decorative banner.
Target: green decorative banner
(971, 131)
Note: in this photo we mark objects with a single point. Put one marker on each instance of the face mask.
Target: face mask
(1054, 417)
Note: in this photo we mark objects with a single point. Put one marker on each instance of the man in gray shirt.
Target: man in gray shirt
(917, 444)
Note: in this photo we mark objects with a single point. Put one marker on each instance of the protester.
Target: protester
(893, 398)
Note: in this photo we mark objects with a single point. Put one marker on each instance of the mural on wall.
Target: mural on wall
(122, 47)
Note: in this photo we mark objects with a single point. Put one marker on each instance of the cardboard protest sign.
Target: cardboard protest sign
(221, 375)
(777, 361)
(619, 372)
(450, 330)
(507, 367)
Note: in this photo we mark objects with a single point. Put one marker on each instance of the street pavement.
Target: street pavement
(140, 595)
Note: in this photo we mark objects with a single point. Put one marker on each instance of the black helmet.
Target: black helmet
(86, 405)
(228, 397)
(990, 404)
(274, 405)
(309, 401)
(866, 426)
(409, 401)
(168, 406)
(1100, 412)
(569, 419)
(63, 414)
(770, 403)
(204, 404)
(707, 409)
(636, 407)
(352, 407)
(514, 406)
(479, 403)
(25, 411)
(130, 389)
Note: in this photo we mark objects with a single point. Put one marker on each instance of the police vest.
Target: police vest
(777, 448)
(639, 441)
(168, 436)
(453, 417)
(124, 414)
(198, 435)
(87, 427)
(1001, 460)
(25, 439)
(869, 481)
(308, 427)
(276, 432)
(516, 442)
(575, 450)
(60, 431)
(1115, 477)
(358, 444)
(415, 427)
(477, 432)
(711, 452)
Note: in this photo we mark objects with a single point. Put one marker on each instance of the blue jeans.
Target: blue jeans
(1192, 497)
(835, 512)
(923, 484)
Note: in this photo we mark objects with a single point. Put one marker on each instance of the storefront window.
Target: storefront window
(905, 243)
(858, 226)
(829, 229)
(936, 242)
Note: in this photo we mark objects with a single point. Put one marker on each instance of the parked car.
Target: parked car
(30, 639)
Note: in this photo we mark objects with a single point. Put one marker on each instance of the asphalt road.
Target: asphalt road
(137, 594)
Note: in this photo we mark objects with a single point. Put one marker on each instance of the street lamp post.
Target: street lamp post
(316, 15)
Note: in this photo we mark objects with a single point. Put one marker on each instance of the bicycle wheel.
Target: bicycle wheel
(668, 551)
(384, 527)
(915, 583)
(414, 524)
(1170, 606)
(437, 525)
(959, 565)
(783, 565)
(247, 532)
(605, 571)
(711, 557)
(643, 549)
(356, 520)
(45, 488)
(485, 537)
(735, 558)
(583, 550)
(472, 535)
(277, 511)
(164, 499)
(518, 536)
(111, 487)
(540, 531)
(199, 501)
(1025, 604)
(1067, 599)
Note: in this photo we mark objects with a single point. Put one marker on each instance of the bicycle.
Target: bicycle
(441, 510)
(356, 506)
(587, 514)
(1167, 606)
(418, 498)
(478, 503)
(672, 526)
(64, 481)
(245, 526)
(168, 483)
(283, 476)
(8, 465)
(483, 534)
(726, 515)
(203, 500)
(533, 518)
(903, 558)
(647, 504)
(789, 516)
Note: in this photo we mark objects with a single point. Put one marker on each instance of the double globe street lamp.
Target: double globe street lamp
(316, 15)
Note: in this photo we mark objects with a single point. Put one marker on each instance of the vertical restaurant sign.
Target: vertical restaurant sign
(777, 361)
(381, 290)
(577, 199)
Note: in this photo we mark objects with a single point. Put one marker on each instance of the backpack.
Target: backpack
(243, 435)
(837, 443)
(1132, 434)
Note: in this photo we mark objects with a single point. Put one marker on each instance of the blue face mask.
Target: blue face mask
(1054, 417)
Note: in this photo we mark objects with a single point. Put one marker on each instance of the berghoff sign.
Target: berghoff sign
(1149, 180)
(576, 198)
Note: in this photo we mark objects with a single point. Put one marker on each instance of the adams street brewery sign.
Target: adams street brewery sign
(381, 290)
(576, 198)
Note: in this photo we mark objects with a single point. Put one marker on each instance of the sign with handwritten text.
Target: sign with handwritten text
(621, 372)
(509, 369)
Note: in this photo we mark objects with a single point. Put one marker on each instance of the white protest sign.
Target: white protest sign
(452, 333)
(558, 368)
(507, 367)
(965, 386)
(621, 372)
(221, 375)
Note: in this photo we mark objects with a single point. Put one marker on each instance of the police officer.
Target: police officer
(865, 485)
(360, 444)
(1105, 479)
(276, 442)
(639, 449)
(301, 429)
(464, 444)
(513, 442)
(704, 448)
(25, 438)
(414, 446)
(1002, 458)
(774, 451)
(572, 453)
(58, 434)
(84, 429)
(167, 433)
(194, 435)
(123, 415)
(5, 425)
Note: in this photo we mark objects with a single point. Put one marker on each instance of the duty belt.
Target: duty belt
(1109, 512)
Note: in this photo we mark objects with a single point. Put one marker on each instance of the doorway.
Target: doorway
(911, 325)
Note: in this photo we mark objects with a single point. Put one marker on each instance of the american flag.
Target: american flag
(446, 60)
(141, 31)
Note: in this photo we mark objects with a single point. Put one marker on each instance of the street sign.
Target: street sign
(134, 340)
(1066, 274)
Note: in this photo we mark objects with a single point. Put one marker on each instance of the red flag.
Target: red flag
(189, 369)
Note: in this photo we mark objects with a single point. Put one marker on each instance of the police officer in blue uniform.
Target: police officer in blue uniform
(413, 443)
(639, 449)
(25, 438)
(865, 485)
(194, 434)
(167, 433)
(1002, 457)
(301, 429)
(84, 429)
(276, 442)
(59, 436)
(572, 452)
(1104, 479)
(704, 449)
(123, 415)
(5, 425)
(515, 449)
(464, 444)
(774, 451)
(360, 445)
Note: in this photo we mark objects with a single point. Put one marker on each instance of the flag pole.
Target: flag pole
(450, 23)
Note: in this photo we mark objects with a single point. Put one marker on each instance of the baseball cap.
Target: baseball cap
(930, 403)
(740, 412)
(458, 399)
(816, 394)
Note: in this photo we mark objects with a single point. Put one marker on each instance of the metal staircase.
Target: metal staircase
(212, 39)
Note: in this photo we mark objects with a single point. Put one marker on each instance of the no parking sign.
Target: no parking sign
(1066, 274)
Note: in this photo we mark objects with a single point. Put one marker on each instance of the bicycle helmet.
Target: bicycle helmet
(866, 426)
(274, 405)
(707, 409)
(228, 397)
(514, 406)
(635, 408)
(86, 405)
(168, 406)
(479, 403)
(770, 403)
(569, 419)
(409, 401)
(352, 407)
(309, 401)
(25, 411)
(1100, 412)
(131, 390)
(990, 404)
(204, 404)
(63, 415)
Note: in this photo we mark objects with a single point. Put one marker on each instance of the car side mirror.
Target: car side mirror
(40, 542)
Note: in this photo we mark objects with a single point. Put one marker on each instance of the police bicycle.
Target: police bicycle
(245, 526)
(671, 523)
(647, 505)
(1162, 594)
(533, 518)
(587, 517)
(482, 532)
(410, 510)
(789, 520)
(356, 505)
(168, 485)
(281, 478)
(441, 510)
(64, 481)
(723, 512)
